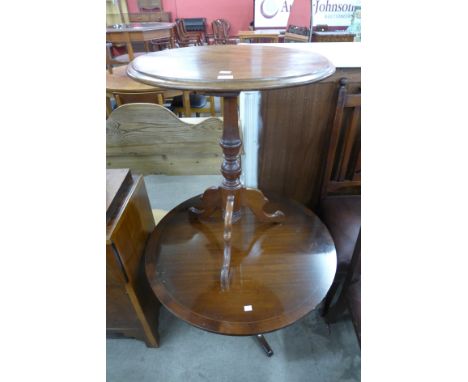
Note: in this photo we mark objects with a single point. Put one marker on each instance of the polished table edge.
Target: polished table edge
(227, 85)
(146, 27)
(120, 77)
(224, 86)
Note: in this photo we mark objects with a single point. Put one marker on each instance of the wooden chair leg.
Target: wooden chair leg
(332, 313)
(332, 292)
(108, 107)
(212, 106)
(160, 99)
(186, 103)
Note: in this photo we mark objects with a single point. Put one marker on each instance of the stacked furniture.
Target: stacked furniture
(271, 274)
(196, 26)
(221, 29)
(184, 38)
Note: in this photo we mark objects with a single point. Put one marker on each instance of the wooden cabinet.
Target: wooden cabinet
(131, 307)
(294, 141)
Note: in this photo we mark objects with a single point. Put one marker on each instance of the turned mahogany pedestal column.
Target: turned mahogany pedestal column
(217, 197)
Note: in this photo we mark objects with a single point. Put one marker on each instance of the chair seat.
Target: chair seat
(342, 215)
(354, 304)
(197, 101)
(123, 58)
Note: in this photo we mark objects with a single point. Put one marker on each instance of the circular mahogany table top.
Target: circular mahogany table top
(224, 68)
(279, 272)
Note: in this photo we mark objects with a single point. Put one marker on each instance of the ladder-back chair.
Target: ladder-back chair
(340, 205)
(221, 29)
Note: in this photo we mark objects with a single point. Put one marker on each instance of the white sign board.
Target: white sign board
(275, 13)
(333, 12)
(272, 13)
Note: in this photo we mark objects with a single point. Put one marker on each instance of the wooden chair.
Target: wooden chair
(122, 98)
(198, 103)
(183, 38)
(221, 29)
(340, 206)
(150, 139)
(350, 296)
(112, 60)
(296, 34)
(161, 44)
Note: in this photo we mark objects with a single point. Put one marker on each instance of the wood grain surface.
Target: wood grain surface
(120, 82)
(131, 308)
(278, 273)
(297, 123)
(253, 67)
(150, 139)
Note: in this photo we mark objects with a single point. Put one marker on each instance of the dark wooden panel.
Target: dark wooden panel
(150, 17)
(120, 314)
(132, 310)
(118, 184)
(130, 238)
(296, 127)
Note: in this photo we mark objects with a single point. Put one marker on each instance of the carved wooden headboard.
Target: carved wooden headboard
(150, 139)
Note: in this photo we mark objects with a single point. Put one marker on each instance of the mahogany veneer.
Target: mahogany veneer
(279, 272)
(132, 310)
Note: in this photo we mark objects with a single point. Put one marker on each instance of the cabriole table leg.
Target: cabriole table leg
(216, 198)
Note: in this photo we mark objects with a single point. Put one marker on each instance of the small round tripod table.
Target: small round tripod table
(231, 261)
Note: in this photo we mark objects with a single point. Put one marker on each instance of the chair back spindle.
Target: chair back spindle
(221, 29)
(343, 164)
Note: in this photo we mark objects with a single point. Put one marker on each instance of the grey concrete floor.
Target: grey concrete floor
(308, 350)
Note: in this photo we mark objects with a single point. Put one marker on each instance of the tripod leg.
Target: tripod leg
(264, 344)
(255, 200)
(211, 201)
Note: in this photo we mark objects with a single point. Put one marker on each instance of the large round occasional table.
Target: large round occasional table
(231, 261)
